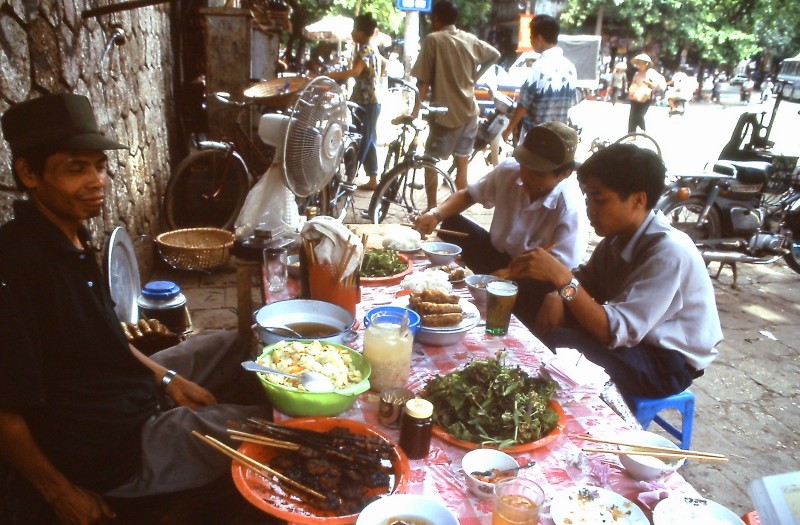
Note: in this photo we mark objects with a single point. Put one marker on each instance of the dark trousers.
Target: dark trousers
(636, 117)
(481, 256)
(369, 139)
(642, 370)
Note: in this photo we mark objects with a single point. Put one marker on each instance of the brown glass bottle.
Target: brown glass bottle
(416, 427)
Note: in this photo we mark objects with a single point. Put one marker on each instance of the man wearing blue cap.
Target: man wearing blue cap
(83, 415)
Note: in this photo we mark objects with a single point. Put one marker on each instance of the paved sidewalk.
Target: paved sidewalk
(747, 402)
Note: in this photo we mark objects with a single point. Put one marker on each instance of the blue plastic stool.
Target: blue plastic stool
(646, 411)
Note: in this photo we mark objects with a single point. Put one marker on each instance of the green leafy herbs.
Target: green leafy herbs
(382, 263)
(492, 404)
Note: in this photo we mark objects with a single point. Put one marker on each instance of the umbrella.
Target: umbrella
(330, 29)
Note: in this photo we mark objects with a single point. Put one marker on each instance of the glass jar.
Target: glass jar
(416, 428)
(387, 347)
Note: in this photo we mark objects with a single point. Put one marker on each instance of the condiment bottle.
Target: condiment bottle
(416, 427)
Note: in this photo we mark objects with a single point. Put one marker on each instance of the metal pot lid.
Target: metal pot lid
(122, 271)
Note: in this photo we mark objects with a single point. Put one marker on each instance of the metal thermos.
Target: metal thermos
(163, 300)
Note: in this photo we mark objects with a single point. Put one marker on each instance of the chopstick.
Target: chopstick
(261, 440)
(685, 453)
(254, 465)
(656, 454)
(442, 230)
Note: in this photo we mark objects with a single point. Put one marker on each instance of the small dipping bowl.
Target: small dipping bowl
(477, 286)
(441, 253)
(414, 321)
(482, 460)
(647, 468)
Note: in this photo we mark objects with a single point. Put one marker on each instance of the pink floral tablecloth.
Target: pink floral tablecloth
(559, 465)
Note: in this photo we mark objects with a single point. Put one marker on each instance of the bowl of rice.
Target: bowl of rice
(347, 369)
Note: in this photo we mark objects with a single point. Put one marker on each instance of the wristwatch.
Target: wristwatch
(569, 290)
(436, 213)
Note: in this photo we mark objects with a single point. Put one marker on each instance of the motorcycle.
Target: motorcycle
(746, 208)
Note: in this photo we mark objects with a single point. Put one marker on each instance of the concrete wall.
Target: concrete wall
(46, 47)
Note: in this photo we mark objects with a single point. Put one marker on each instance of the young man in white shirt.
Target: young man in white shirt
(643, 306)
(537, 204)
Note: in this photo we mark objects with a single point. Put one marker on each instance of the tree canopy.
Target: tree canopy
(723, 31)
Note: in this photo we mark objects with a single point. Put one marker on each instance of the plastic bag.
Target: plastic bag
(266, 203)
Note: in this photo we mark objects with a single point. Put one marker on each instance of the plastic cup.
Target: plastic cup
(500, 298)
(517, 502)
(276, 268)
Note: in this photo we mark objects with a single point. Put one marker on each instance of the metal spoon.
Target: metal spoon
(492, 474)
(286, 329)
(312, 381)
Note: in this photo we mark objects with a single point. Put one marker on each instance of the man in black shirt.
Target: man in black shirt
(82, 413)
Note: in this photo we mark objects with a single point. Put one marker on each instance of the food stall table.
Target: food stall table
(560, 463)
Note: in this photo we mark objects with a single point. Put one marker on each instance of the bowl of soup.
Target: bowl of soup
(409, 509)
(441, 253)
(310, 318)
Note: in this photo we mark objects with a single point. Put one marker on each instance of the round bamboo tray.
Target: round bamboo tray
(195, 248)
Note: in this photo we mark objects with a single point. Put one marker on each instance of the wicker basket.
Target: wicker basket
(195, 248)
(275, 93)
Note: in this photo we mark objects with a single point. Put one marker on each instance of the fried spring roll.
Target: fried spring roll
(435, 308)
(436, 296)
(440, 320)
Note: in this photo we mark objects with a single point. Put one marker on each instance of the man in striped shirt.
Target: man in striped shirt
(550, 89)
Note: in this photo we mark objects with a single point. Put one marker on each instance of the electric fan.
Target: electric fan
(310, 138)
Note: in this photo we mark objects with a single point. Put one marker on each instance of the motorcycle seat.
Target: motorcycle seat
(747, 172)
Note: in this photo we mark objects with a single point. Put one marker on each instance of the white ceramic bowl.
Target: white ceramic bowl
(646, 468)
(477, 286)
(407, 506)
(482, 460)
(441, 253)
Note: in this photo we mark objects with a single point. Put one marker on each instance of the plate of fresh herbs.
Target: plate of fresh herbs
(384, 267)
(490, 404)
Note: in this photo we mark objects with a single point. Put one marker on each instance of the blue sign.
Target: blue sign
(423, 6)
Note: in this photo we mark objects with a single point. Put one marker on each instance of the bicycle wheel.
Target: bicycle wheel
(207, 189)
(400, 195)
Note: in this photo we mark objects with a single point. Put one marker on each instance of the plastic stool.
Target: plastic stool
(646, 411)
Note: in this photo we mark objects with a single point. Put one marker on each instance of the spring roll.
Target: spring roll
(442, 320)
(435, 308)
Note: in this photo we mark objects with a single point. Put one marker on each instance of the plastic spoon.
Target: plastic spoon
(311, 381)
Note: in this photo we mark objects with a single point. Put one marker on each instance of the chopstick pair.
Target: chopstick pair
(442, 230)
(649, 450)
(255, 466)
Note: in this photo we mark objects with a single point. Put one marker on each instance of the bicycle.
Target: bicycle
(400, 194)
(209, 186)
(642, 140)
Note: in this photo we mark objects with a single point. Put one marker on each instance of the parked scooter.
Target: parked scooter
(747, 207)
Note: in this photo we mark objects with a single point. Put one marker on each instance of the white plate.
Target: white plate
(567, 507)
(472, 316)
(122, 270)
(685, 510)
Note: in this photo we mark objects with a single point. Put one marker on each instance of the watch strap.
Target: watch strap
(167, 379)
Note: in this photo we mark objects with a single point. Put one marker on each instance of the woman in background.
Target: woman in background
(366, 71)
(645, 81)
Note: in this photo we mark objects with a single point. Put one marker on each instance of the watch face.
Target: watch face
(569, 292)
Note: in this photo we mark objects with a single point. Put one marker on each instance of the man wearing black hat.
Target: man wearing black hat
(81, 412)
(537, 204)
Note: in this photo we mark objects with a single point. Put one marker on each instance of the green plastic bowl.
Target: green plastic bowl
(298, 404)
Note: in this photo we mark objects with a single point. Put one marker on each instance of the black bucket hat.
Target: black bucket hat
(62, 121)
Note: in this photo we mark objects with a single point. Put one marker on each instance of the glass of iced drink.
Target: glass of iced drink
(517, 502)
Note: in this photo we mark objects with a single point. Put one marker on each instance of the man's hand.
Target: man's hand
(82, 507)
(539, 264)
(550, 316)
(502, 273)
(425, 223)
(188, 394)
